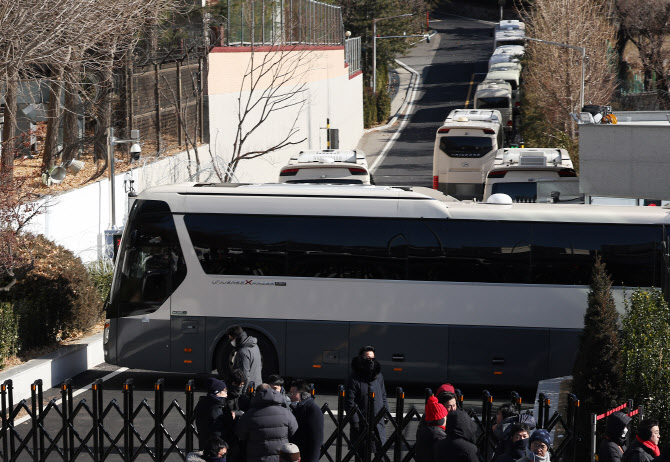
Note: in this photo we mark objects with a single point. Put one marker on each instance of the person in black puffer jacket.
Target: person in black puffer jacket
(430, 431)
(519, 433)
(459, 446)
(613, 443)
(266, 426)
(214, 420)
(366, 376)
(309, 437)
(644, 447)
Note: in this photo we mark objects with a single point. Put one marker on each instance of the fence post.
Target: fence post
(96, 419)
(370, 417)
(128, 418)
(158, 419)
(575, 416)
(459, 398)
(66, 432)
(340, 418)
(33, 419)
(190, 387)
(540, 410)
(399, 415)
(640, 409)
(427, 394)
(5, 428)
(487, 405)
(547, 404)
(592, 435)
(40, 409)
(68, 385)
(10, 422)
(515, 400)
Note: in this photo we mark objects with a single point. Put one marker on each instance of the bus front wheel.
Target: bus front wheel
(225, 357)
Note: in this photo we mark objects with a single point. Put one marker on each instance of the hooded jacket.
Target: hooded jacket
(248, 358)
(426, 439)
(515, 451)
(309, 436)
(266, 426)
(459, 446)
(637, 452)
(613, 443)
(213, 419)
(363, 379)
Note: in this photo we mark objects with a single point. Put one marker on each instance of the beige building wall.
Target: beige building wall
(307, 85)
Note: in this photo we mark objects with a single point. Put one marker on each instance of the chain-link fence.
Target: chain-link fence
(283, 22)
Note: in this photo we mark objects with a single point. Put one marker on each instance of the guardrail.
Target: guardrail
(66, 430)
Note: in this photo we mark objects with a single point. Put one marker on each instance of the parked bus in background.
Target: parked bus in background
(506, 54)
(315, 271)
(496, 94)
(465, 146)
(509, 32)
(510, 73)
(332, 166)
(533, 175)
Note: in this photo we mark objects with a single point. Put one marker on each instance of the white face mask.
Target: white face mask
(232, 342)
(624, 433)
(534, 457)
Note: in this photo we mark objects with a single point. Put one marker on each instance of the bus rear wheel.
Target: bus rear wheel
(225, 356)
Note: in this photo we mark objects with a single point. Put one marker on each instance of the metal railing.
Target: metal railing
(352, 54)
(68, 430)
(283, 22)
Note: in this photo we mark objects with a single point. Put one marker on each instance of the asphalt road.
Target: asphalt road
(447, 69)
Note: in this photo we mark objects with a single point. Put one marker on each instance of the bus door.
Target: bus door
(150, 267)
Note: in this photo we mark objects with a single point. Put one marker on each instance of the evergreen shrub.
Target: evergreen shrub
(9, 333)
(369, 107)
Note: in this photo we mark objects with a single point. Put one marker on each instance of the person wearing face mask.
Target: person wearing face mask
(366, 376)
(644, 447)
(613, 443)
(213, 419)
(237, 400)
(518, 443)
(248, 356)
(538, 447)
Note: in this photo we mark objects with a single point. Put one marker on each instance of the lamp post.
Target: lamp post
(374, 47)
(135, 150)
(574, 47)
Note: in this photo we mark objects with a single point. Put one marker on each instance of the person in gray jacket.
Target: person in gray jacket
(248, 356)
(266, 426)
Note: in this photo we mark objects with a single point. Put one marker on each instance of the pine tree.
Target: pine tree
(596, 374)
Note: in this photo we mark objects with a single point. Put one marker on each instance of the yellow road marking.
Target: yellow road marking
(467, 99)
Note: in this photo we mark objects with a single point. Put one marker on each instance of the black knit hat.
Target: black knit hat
(214, 386)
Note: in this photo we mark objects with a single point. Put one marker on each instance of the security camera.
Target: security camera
(135, 151)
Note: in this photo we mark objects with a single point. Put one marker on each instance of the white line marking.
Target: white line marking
(408, 113)
(77, 392)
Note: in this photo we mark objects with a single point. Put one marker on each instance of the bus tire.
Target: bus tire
(225, 354)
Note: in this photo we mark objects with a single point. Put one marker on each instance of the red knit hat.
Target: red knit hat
(446, 387)
(434, 410)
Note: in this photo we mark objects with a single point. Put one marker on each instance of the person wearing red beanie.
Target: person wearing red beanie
(430, 430)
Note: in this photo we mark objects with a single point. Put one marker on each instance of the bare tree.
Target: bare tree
(648, 27)
(552, 74)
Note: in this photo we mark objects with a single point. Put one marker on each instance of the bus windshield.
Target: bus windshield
(466, 146)
(499, 102)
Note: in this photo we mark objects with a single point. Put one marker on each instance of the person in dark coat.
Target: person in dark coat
(459, 446)
(237, 400)
(366, 376)
(430, 431)
(505, 443)
(665, 454)
(266, 426)
(215, 451)
(214, 420)
(248, 356)
(613, 443)
(309, 436)
(644, 447)
(538, 447)
(519, 433)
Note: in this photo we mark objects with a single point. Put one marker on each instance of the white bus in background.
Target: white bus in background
(507, 54)
(314, 272)
(332, 166)
(465, 146)
(496, 94)
(533, 175)
(509, 32)
(510, 73)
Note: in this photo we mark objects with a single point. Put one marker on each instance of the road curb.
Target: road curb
(54, 368)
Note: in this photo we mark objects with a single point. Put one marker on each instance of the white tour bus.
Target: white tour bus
(443, 290)
(332, 166)
(465, 146)
(506, 54)
(496, 94)
(510, 73)
(509, 32)
(533, 175)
